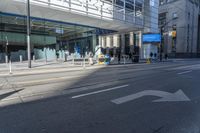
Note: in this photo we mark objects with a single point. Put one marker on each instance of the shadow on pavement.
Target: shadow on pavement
(2, 96)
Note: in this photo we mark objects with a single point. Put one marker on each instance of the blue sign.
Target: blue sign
(149, 38)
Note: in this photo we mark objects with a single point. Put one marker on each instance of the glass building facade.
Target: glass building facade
(49, 38)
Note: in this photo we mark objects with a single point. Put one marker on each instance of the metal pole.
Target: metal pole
(73, 59)
(124, 8)
(192, 31)
(124, 59)
(45, 55)
(6, 50)
(84, 63)
(161, 41)
(28, 34)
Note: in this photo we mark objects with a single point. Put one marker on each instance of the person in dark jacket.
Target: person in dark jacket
(119, 57)
(166, 56)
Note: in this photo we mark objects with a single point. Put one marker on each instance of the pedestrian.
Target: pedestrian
(119, 57)
(161, 57)
(166, 56)
(57, 55)
(130, 54)
(151, 55)
(155, 56)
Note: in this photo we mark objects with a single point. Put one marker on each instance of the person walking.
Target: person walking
(161, 56)
(155, 56)
(166, 56)
(151, 56)
(119, 57)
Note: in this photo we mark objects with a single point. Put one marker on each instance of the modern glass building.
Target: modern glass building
(76, 26)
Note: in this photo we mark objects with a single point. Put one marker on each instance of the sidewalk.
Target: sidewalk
(41, 67)
(38, 67)
(21, 75)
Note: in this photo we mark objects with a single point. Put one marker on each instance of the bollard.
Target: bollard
(33, 58)
(84, 63)
(124, 60)
(6, 59)
(20, 58)
(10, 67)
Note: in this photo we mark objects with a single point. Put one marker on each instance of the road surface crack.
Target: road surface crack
(157, 130)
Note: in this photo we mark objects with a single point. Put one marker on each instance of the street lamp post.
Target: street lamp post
(161, 42)
(28, 34)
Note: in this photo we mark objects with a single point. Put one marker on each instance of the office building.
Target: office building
(76, 26)
(180, 24)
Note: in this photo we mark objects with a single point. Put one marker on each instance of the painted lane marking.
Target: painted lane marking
(178, 96)
(100, 91)
(184, 72)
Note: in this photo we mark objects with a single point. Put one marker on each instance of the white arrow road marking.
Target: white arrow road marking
(184, 72)
(165, 96)
(96, 92)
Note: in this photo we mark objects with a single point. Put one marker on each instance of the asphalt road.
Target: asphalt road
(157, 98)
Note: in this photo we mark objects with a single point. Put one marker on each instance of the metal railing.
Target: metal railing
(97, 8)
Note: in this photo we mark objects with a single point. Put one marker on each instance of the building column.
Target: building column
(103, 42)
(131, 42)
(108, 44)
(122, 44)
(100, 41)
(116, 44)
(141, 45)
(98, 46)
